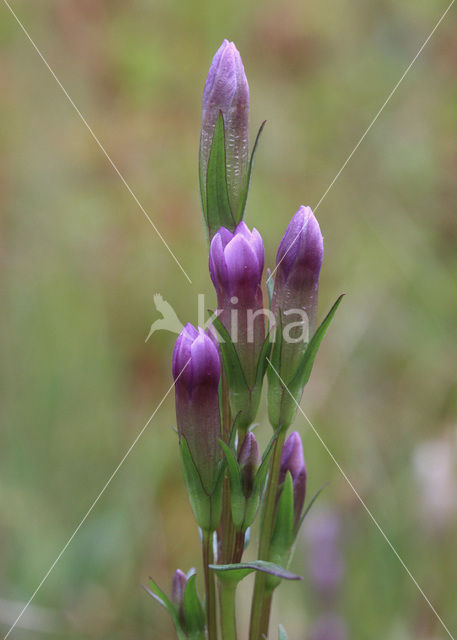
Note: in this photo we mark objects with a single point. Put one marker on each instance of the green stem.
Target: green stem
(265, 615)
(228, 619)
(260, 599)
(210, 588)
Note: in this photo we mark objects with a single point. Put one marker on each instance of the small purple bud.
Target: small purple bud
(227, 91)
(298, 265)
(196, 371)
(249, 461)
(292, 460)
(236, 263)
(178, 586)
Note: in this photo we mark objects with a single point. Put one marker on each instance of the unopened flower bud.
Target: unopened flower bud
(196, 371)
(294, 304)
(226, 91)
(299, 261)
(292, 460)
(249, 461)
(178, 586)
(236, 263)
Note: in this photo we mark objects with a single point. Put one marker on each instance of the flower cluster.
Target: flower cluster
(219, 380)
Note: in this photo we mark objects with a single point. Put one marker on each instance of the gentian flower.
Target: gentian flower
(196, 371)
(299, 261)
(294, 304)
(226, 91)
(236, 263)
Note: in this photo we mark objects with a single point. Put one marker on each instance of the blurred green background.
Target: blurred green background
(80, 264)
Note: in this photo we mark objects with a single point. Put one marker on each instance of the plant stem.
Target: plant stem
(259, 600)
(228, 619)
(265, 615)
(210, 588)
(239, 546)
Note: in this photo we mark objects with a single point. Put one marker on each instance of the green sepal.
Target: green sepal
(282, 635)
(281, 406)
(283, 535)
(218, 210)
(262, 471)
(237, 498)
(244, 196)
(193, 611)
(275, 388)
(161, 597)
(233, 368)
(310, 504)
(303, 372)
(235, 572)
(262, 363)
(245, 507)
(207, 509)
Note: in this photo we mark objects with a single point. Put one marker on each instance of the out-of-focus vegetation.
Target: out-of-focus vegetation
(80, 264)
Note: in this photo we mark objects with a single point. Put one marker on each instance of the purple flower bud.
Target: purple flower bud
(249, 461)
(236, 263)
(227, 91)
(298, 264)
(178, 587)
(292, 460)
(196, 371)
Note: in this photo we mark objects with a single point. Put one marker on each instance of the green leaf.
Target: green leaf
(237, 498)
(263, 468)
(283, 535)
(282, 635)
(310, 504)
(218, 210)
(161, 597)
(244, 196)
(303, 372)
(193, 611)
(198, 498)
(236, 572)
(262, 362)
(232, 365)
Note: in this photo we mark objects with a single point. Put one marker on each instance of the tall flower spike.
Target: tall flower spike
(226, 92)
(196, 371)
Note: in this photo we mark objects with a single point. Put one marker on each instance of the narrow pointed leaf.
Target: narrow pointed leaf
(303, 372)
(198, 498)
(161, 597)
(310, 504)
(193, 611)
(244, 198)
(236, 572)
(282, 635)
(218, 210)
(233, 469)
(232, 365)
(262, 362)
